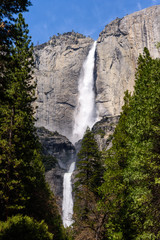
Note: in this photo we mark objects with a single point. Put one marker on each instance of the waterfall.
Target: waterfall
(85, 115)
(67, 205)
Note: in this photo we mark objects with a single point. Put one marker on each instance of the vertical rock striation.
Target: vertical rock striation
(58, 66)
(118, 47)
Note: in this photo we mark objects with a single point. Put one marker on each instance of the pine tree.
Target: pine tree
(89, 165)
(143, 162)
(131, 188)
(17, 134)
(7, 11)
(88, 219)
(24, 228)
(114, 189)
(8, 33)
(22, 183)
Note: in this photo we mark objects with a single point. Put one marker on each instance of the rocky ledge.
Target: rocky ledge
(103, 131)
(57, 152)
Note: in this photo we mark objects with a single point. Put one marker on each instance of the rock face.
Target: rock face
(103, 131)
(58, 66)
(118, 47)
(56, 145)
(58, 152)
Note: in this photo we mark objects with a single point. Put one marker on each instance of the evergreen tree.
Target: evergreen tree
(7, 11)
(22, 184)
(18, 144)
(143, 167)
(89, 164)
(114, 189)
(88, 219)
(131, 188)
(8, 34)
(24, 228)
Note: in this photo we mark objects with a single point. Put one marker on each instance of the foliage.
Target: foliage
(113, 187)
(87, 217)
(158, 45)
(131, 187)
(24, 228)
(8, 9)
(89, 165)
(23, 189)
(18, 143)
(8, 33)
(101, 133)
(49, 162)
(13, 7)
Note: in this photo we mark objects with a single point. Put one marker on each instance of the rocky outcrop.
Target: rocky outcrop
(56, 145)
(118, 47)
(58, 66)
(58, 152)
(103, 131)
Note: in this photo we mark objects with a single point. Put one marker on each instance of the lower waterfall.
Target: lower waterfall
(85, 115)
(67, 205)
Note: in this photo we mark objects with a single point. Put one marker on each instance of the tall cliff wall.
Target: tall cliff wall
(59, 62)
(58, 66)
(118, 47)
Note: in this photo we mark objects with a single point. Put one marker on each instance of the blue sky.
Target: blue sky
(89, 17)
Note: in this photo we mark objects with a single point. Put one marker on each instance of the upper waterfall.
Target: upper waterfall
(85, 113)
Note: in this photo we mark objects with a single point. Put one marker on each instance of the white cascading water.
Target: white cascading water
(67, 205)
(85, 115)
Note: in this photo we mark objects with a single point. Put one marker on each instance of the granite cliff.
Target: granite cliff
(59, 62)
(58, 66)
(57, 153)
(118, 48)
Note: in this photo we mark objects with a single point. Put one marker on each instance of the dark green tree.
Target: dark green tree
(89, 165)
(113, 188)
(24, 228)
(88, 219)
(8, 33)
(18, 143)
(8, 9)
(22, 184)
(131, 188)
(143, 166)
